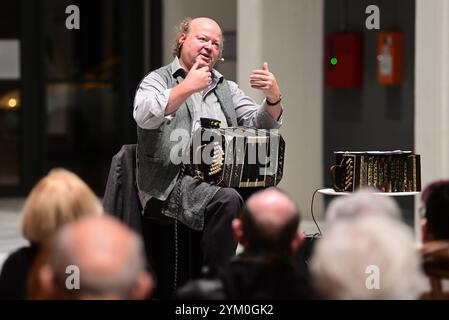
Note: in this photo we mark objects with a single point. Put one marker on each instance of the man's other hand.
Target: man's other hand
(263, 79)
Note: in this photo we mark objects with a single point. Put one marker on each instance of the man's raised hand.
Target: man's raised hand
(198, 78)
(264, 80)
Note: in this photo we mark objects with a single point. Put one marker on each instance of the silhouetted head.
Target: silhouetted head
(269, 221)
(198, 40)
(436, 217)
(108, 255)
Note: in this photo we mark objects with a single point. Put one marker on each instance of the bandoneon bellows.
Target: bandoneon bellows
(237, 156)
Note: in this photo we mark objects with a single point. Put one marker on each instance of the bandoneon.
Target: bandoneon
(237, 156)
(386, 171)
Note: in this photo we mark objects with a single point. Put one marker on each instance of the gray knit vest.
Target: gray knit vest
(157, 175)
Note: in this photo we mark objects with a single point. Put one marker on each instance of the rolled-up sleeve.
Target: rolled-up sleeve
(251, 114)
(150, 102)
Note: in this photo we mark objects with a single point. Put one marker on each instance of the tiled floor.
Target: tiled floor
(10, 235)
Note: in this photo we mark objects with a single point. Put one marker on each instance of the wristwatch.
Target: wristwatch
(274, 103)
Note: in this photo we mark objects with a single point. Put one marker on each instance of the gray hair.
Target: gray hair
(360, 203)
(62, 254)
(182, 27)
(344, 258)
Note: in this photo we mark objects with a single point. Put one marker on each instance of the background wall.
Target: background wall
(374, 117)
(288, 35)
(432, 90)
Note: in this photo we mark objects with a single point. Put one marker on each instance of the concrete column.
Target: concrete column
(288, 35)
(432, 90)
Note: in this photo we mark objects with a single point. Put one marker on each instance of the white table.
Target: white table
(332, 192)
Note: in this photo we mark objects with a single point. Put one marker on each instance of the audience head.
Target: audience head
(360, 203)
(436, 220)
(372, 257)
(269, 221)
(109, 256)
(58, 198)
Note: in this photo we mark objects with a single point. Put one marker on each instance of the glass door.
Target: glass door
(81, 88)
(10, 95)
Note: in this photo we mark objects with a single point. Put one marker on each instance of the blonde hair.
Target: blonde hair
(58, 198)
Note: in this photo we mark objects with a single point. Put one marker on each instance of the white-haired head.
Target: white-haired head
(372, 257)
(362, 202)
(109, 256)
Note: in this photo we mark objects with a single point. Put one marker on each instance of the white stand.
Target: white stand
(332, 192)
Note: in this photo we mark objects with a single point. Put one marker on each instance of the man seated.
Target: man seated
(168, 105)
(268, 230)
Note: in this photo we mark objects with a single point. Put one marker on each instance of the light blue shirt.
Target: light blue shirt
(151, 100)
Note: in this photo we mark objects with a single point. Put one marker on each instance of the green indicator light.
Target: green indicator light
(334, 61)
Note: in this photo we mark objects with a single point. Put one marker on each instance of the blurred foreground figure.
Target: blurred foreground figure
(370, 257)
(96, 258)
(266, 269)
(360, 203)
(57, 199)
(435, 234)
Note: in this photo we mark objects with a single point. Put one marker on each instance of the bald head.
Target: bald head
(109, 256)
(198, 40)
(102, 245)
(271, 206)
(269, 220)
(200, 21)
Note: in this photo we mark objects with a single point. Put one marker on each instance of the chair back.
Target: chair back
(435, 256)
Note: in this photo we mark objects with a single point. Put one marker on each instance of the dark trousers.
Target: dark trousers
(217, 242)
(211, 247)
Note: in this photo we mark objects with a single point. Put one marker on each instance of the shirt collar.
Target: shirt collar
(177, 69)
